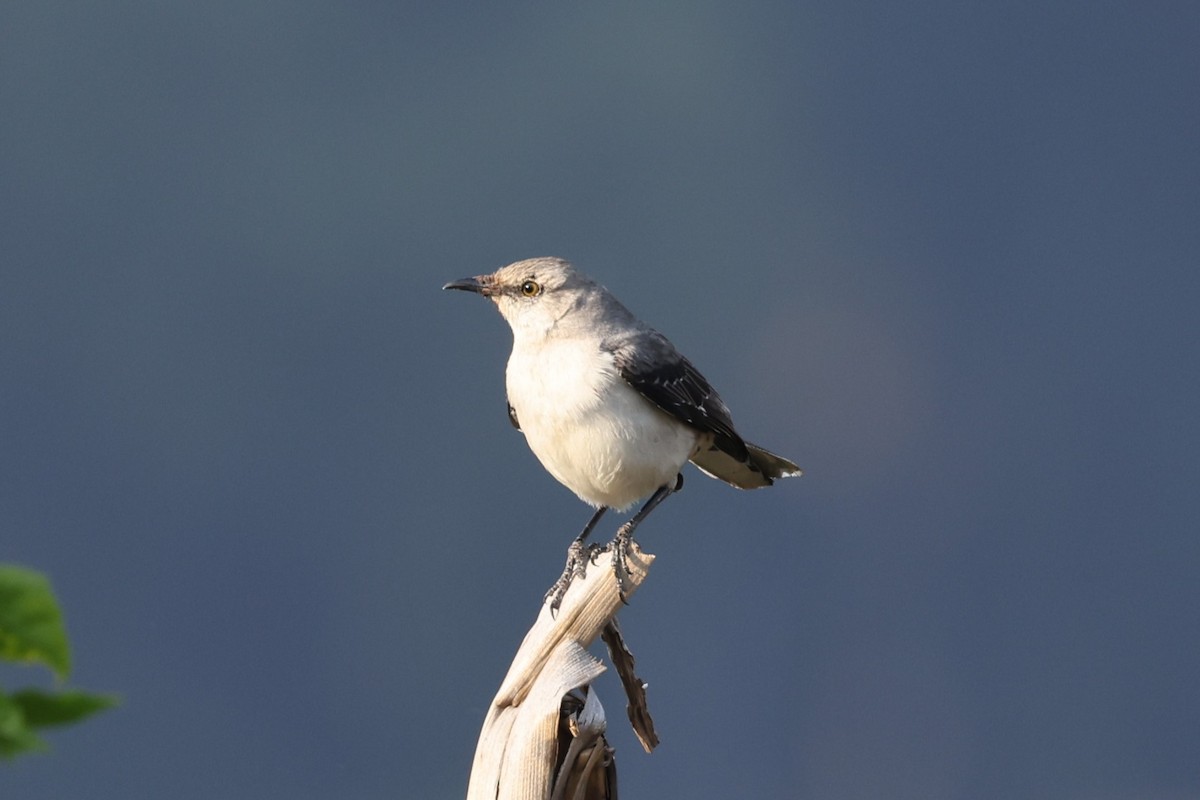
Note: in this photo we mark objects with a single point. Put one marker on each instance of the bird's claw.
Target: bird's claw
(620, 560)
(579, 556)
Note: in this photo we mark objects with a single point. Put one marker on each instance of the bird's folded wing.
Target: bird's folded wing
(649, 363)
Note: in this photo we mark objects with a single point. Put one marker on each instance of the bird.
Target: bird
(607, 404)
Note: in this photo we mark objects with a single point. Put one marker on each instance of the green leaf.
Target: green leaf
(16, 736)
(41, 708)
(31, 626)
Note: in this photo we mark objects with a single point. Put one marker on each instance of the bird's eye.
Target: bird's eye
(531, 288)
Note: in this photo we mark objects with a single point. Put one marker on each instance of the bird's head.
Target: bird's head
(531, 295)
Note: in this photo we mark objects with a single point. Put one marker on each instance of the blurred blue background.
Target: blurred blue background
(944, 255)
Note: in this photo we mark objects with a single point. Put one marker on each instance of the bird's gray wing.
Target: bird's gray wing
(648, 362)
(512, 416)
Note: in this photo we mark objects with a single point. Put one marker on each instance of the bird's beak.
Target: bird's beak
(470, 285)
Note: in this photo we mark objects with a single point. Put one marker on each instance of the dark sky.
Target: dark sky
(944, 255)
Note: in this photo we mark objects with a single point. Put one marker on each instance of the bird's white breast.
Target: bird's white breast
(592, 431)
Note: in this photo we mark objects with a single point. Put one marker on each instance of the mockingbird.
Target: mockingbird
(606, 403)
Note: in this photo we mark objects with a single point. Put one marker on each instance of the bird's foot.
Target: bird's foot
(620, 544)
(578, 556)
(620, 559)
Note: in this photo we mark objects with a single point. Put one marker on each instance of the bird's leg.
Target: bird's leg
(620, 545)
(576, 562)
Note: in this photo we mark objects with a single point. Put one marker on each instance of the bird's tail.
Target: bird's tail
(771, 465)
(758, 469)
